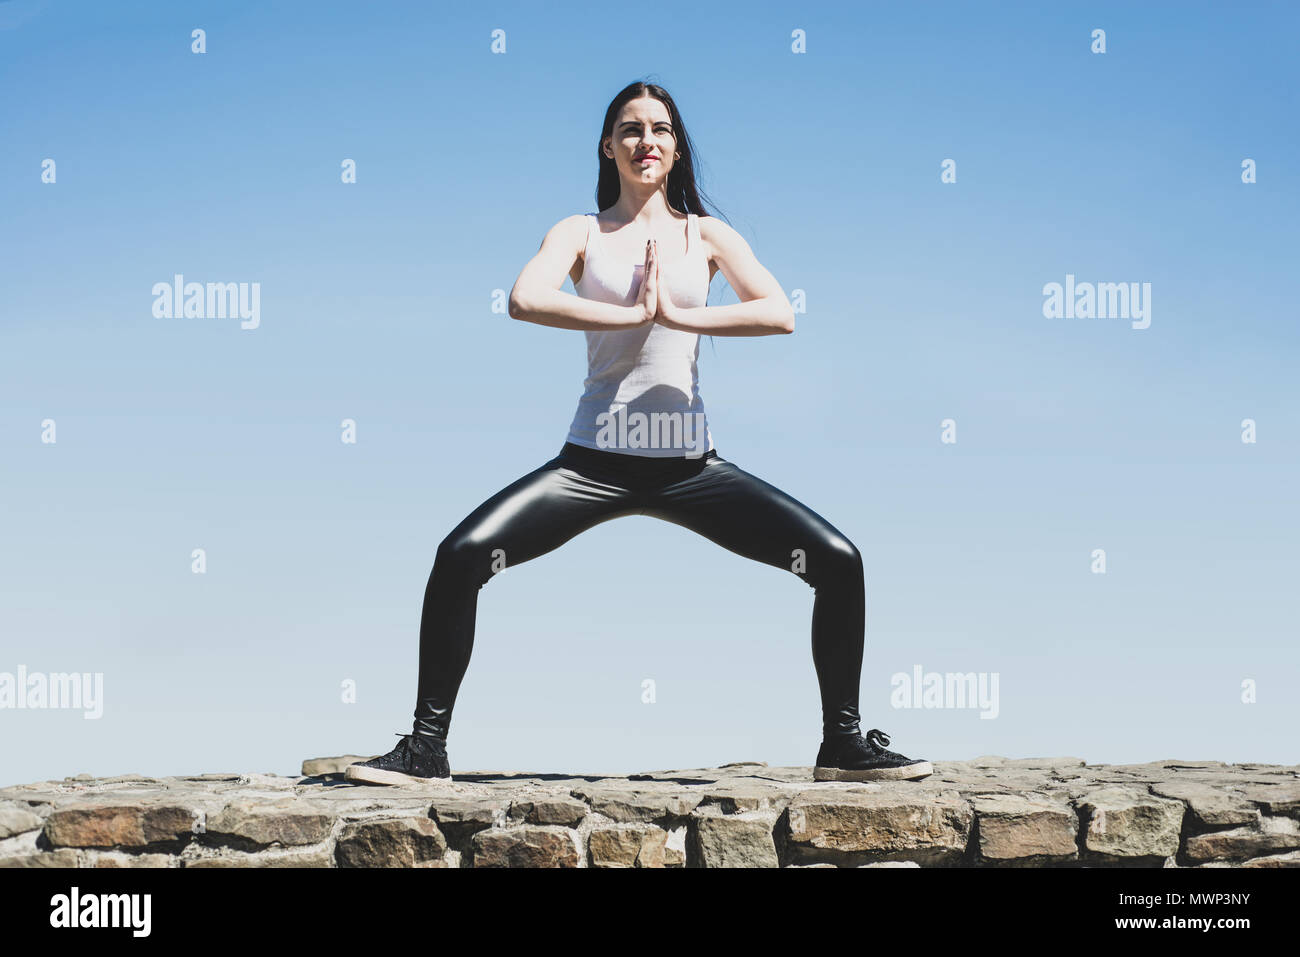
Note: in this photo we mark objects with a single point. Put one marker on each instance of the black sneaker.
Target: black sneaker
(864, 758)
(416, 759)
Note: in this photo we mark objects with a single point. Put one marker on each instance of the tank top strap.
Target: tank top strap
(593, 234)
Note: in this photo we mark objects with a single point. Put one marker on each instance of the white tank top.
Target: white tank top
(641, 395)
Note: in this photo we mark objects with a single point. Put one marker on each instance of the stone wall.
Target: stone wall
(988, 812)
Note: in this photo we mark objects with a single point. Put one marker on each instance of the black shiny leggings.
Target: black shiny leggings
(582, 487)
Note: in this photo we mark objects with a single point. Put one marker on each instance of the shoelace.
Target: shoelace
(877, 738)
(405, 753)
(403, 750)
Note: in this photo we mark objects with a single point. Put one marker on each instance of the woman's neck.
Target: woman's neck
(645, 208)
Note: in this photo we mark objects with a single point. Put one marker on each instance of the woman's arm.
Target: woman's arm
(537, 297)
(763, 310)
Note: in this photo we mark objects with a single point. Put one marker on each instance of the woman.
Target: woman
(639, 442)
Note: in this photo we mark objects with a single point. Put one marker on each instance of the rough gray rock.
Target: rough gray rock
(629, 845)
(987, 812)
(527, 846)
(391, 842)
(743, 839)
(1023, 831)
(1125, 824)
(854, 826)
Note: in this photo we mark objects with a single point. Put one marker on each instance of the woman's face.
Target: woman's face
(643, 141)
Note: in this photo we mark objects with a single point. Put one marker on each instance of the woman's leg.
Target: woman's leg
(746, 515)
(531, 516)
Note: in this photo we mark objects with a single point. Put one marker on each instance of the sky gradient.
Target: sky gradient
(924, 302)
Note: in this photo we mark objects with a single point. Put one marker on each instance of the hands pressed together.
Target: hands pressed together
(654, 301)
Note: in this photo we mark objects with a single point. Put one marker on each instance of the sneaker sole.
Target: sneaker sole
(356, 772)
(907, 772)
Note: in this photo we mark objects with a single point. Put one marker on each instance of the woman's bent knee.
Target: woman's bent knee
(836, 560)
(462, 556)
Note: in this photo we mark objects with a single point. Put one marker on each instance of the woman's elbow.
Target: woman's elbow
(515, 307)
(786, 324)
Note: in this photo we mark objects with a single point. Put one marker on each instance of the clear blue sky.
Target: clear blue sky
(924, 302)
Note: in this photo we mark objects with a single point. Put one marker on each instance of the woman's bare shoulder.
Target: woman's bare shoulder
(714, 230)
(569, 235)
(571, 225)
(718, 237)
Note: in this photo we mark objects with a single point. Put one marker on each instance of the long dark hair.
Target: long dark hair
(683, 194)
